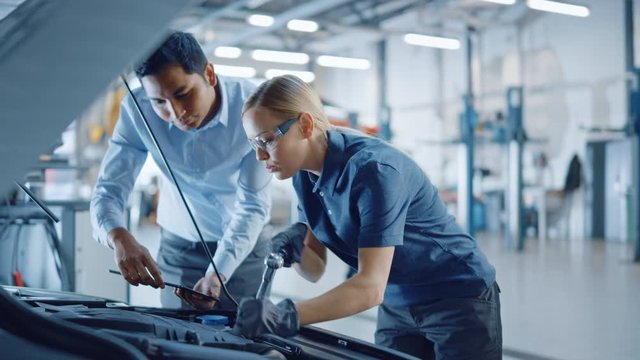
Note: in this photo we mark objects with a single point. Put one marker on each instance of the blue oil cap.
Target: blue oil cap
(214, 320)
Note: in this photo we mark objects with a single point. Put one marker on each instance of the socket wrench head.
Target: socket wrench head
(274, 261)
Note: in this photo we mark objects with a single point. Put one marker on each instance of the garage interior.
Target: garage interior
(523, 113)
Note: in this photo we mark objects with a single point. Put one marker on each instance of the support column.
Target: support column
(468, 120)
(633, 116)
(515, 213)
(384, 111)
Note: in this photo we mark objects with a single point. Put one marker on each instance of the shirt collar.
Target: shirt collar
(222, 116)
(334, 162)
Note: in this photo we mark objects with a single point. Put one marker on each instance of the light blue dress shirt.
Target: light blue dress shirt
(224, 184)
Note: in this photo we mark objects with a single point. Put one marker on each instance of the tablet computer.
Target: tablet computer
(195, 294)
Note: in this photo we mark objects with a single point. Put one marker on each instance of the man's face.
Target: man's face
(185, 100)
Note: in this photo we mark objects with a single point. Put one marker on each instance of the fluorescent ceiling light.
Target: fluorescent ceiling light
(432, 41)
(235, 71)
(228, 52)
(503, 2)
(306, 76)
(280, 56)
(260, 20)
(134, 82)
(559, 7)
(209, 35)
(343, 62)
(302, 25)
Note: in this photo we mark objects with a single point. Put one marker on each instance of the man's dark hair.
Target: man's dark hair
(179, 48)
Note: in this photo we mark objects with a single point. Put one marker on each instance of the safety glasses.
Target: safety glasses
(267, 140)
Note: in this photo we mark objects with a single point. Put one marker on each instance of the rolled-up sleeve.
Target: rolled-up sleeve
(252, 211)
(120, 167)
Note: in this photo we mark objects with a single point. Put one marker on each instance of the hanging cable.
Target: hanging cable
(53, 240)
(175, 182)
(17, 275)
(54, 245)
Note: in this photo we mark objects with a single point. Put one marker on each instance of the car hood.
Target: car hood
(56, 57)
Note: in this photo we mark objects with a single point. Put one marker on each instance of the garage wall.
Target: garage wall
(572, 71)
(573, 66)
(352, 90)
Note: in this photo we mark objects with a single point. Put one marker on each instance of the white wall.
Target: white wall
(353, 90)
(571, 69)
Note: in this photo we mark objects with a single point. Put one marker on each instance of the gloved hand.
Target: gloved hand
(289, 243)
(258, 317)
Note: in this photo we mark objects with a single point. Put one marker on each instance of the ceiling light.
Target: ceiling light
(235, 71)
(503, 2)
(209, 35)
(260, 20)
(432, 41)
(343, 62)
(228, 52)
(559, 7)
(306, 76)
(134, 82)
(280, 56)
(302, 25)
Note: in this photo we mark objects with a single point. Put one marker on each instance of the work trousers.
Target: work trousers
(185, 262)
(447, 329)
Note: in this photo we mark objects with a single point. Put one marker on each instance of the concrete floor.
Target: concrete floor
(561, 299)
(569, 299)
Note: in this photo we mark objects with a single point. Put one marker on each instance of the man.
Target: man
(196, 117)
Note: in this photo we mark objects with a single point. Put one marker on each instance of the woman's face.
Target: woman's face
(278, 141)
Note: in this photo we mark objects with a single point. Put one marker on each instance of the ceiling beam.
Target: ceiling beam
(219, 13)
(299, 12)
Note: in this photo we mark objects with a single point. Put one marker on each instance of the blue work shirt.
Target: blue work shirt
(370, 194)
(224, 184)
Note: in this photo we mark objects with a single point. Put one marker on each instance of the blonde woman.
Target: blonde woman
(375, 209)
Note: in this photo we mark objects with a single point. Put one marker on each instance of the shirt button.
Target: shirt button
(329, 212)
(321, 193)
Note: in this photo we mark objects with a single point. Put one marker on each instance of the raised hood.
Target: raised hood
(56, 57)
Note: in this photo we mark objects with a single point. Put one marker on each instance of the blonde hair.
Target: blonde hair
(288, 96)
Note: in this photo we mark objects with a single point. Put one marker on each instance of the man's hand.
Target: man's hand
(258, 317)
(135, 263)
(208, 285)
(289, 243)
